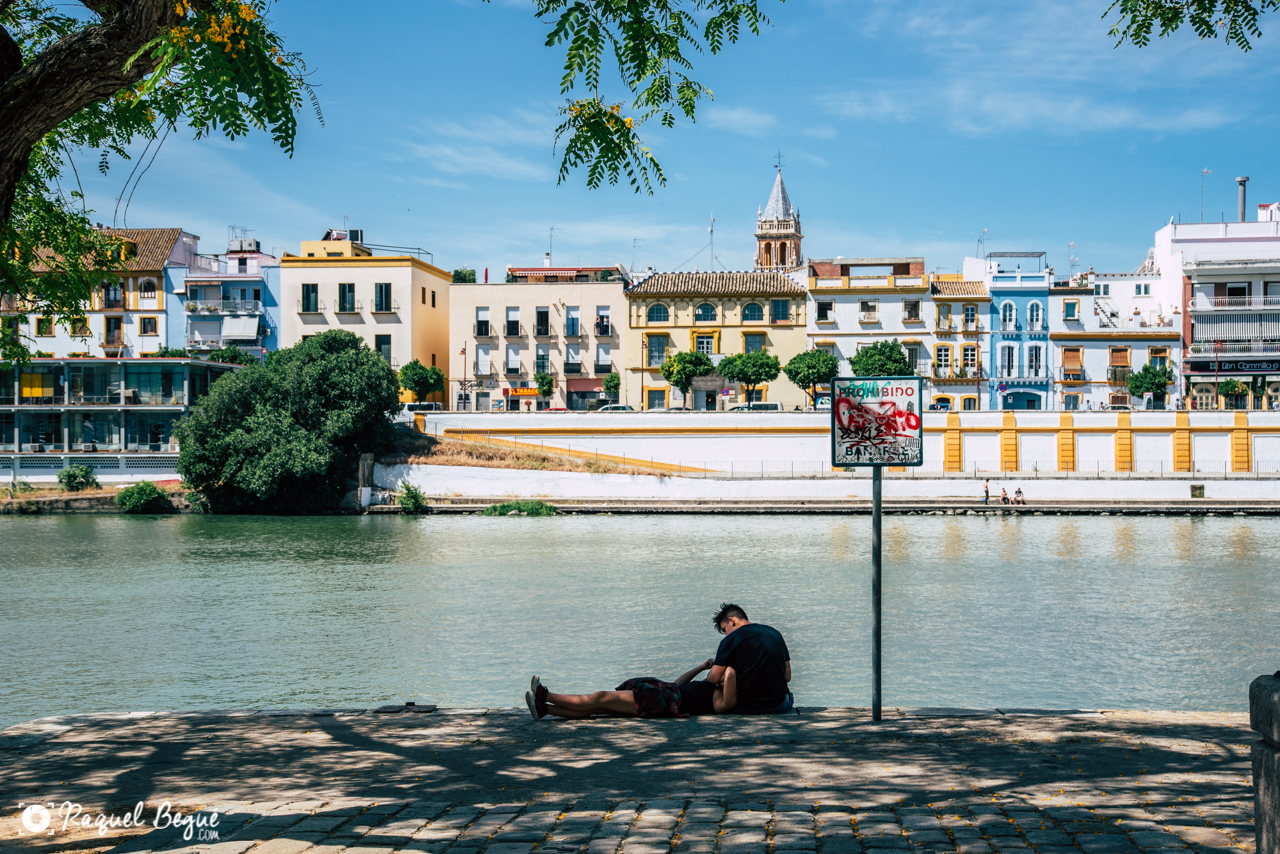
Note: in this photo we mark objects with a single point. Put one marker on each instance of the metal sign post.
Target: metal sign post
(875, 421)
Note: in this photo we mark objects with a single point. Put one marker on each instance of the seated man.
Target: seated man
(644, 697)
(758, 654)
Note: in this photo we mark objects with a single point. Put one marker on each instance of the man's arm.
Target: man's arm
(686, 678)
(788, 671)
(717, 673)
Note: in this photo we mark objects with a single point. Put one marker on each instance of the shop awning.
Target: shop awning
(240, 327)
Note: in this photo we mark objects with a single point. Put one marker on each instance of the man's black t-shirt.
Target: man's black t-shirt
(758, 655)
(696, 698)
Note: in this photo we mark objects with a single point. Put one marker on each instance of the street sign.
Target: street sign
(875, 421)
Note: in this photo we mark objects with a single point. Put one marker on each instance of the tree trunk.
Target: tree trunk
(74, 73)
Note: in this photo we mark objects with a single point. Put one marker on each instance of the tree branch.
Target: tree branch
(10, 55)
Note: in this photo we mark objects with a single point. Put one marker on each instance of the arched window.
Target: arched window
(705, 312)
(768, 255)
(658, 313)
(970, 356)
(1008, 316)
(753, 311)
(1033, 316)
(782, 254)
(148, 288)
(943, 358)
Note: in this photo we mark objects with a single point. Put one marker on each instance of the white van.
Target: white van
(758, 406)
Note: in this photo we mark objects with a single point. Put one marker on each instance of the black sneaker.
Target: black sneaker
(533, 707)
(539, 695)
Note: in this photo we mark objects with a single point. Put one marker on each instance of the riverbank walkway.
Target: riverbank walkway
(492, 781)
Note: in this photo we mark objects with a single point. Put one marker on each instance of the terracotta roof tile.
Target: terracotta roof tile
(716, 284)
(151, 247)
(959, 289)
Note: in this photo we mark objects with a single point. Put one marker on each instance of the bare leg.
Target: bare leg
(726, 696)
(585, 705)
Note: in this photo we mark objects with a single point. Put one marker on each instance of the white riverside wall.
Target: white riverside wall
(468, 482)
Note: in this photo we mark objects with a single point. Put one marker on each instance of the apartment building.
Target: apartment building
(232, 300)
(559, 321)
(399, 304)
(719, 314)
(1019, 355)
(956, 369)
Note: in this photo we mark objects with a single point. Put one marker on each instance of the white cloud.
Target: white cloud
(478, 160)
(743, 120)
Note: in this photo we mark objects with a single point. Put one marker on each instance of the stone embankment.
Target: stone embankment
(48, 505)
(492, 781)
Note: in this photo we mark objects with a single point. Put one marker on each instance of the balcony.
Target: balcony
(351, 307)
(310, 307)
(138, 397)
(54, 399)
(482, 329)
(514, 329)
(604, 329)
(944, 325)
(1009, 326)
(1072, 375)
(953, 373)
(542, 365)
(112, 304)
(865, 317)
(383, 307)
(513, 370)
(1205, 303)
(572, 368)
(1205, 348)
(112, 341)
(542, 330)
(603, 368)
(482, 370)
(1118, 375)
(572, 328)
(224, 306)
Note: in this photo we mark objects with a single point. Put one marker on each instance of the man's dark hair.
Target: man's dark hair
(726, 611)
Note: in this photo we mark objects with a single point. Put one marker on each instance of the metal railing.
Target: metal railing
(572, 367)
(351, 307)
(604, 367)
(380, 307)
(1203, 303)
(542, 330)
(513, 370)
(307, 307)
(1071, 375)
(113, 340)
(572, 328)
(865, 317)
(1009, 326)
(604, 329)
(1118, 374)
(231, 306)
(39, 400)
(482, 329)
(485, 370)
(514, 329)
(542, 365)
(1207, 348)
(953, 372)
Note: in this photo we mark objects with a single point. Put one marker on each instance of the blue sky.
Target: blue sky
(906, 127)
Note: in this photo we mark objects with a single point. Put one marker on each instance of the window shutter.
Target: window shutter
(1071, 357)
(1119, 357)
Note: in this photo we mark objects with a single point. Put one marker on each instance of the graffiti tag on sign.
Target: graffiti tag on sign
(875, 421)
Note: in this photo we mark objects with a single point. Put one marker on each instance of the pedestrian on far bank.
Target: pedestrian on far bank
(986, 491)
(1004, 496)
(1017, 496)
(758, 655)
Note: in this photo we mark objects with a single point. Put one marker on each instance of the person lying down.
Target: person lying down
(645, 697)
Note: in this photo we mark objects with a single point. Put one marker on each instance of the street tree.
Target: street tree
(750, 370)
(882, 359)
(681, 369)
(810, 369)
(420, 380)
(1150, 379)
(545, 382)
(612, 384)
(231, 355)
(464, 276)
(285, 436)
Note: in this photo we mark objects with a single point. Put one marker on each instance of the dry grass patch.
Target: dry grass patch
(418, 449)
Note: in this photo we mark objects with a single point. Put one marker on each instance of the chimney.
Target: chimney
(1242, 182)
(546, 259)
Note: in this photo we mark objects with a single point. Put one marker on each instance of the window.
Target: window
(944, 316)
(1033, 316)
(1119, 399)
(433, 360)
(970, 317)
(149, 289)
(1142, 290)
(513, 320)
(750, 311)
(424, 296)
(482, 321)
(542, 321)
(1072, 365)
(657, 350)
(80, 327)
(603, 354)
(943, 357)
(658, 313)
(382, 343)
(913, 355)
(1008, 362)
(752, 343)
(310, 299)
(1071, 402)
(382, 297)
(257, 294)
(780, 311)
(513, 358)
(1118, 364)
(705, 344)
(1035, 361)
(704, 313)
(573, 358)
(1158, 357)
(242, 265)
(572, 320)
(656, 399)
(911, 310)
(869, 311)
(970, 357)
(347, 297)
(1008, 317)
(433, 299)
(824, 310)
(1071, 309)
(44, 327)
(968, 404)
(148, 326)
(603, 326)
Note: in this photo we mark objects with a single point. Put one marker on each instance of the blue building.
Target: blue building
(1021, 373)
(233, 299)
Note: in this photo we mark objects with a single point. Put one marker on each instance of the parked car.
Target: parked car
(424, 407)
(672, 409)
(555, 409)
(1117, 407)
(616, 407)
(758, 406)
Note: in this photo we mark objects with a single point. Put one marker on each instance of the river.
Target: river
(116, 613)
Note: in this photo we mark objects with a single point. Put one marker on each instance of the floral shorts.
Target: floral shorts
(654, 698)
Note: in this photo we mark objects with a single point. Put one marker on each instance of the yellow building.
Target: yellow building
(398, 304)
(720, 314)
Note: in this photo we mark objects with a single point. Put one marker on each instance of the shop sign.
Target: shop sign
(520, 392)
(1233, 366)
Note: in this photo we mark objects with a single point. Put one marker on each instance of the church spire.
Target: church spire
(778, 231)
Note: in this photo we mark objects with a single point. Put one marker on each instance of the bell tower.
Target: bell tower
(778, 232)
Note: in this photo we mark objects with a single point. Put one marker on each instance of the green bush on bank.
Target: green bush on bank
(412, 500)
(144, 497)
(524, 508)
(77, 477)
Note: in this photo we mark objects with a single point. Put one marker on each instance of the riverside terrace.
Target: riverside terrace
(477, 781)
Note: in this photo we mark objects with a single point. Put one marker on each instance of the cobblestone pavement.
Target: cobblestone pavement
(492, 782)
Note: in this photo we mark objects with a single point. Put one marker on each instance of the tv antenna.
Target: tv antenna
(712, 231)
(1203, 172)
(635, 241)
(1071, 259)
(346, 217)
(551, 243)
(982, 242)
